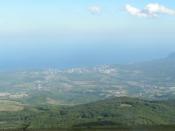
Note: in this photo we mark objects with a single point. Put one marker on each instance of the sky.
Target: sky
(53, 33)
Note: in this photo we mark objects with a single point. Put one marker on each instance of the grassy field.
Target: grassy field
(10, 106)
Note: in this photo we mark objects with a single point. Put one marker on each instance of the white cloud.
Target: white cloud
(150, 10)
(157, 8)
(135, 11)
(95, 9)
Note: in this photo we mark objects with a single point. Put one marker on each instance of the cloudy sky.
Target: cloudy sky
(96, 30)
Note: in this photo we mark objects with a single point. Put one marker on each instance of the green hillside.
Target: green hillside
(115, 112)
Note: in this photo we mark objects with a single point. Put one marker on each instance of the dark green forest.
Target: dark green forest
(121, 112)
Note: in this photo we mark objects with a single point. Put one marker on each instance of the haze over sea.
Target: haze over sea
(51, 53)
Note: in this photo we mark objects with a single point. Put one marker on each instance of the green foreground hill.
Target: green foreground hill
(110, 113)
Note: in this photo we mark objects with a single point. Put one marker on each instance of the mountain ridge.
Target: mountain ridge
(118, 112)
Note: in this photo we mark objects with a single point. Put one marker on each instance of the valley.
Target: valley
(107, 96)
(149, 80)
